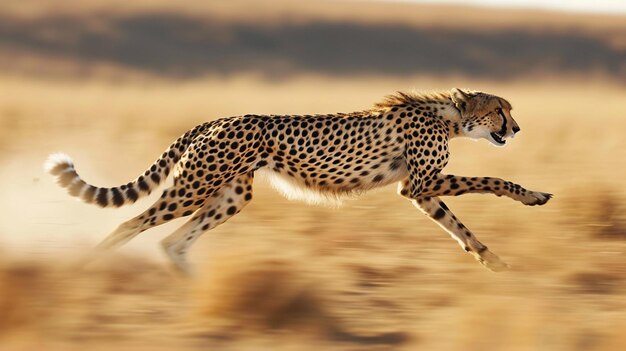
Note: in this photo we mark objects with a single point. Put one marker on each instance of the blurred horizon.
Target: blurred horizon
(609, 7)
(217, 41)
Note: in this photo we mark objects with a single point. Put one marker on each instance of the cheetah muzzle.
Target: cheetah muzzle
(498, 139)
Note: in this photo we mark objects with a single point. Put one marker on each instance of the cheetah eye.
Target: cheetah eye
(499, 112)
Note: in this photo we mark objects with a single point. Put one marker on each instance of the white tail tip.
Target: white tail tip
(57, 159)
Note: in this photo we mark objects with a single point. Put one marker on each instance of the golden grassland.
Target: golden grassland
(373, 274)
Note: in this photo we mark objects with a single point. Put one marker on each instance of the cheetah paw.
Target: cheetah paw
(537, 198)
(492, 261)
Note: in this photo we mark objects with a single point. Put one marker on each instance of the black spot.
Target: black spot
(101, 199)
(167, 217)
(155, 178)
(231, 210)
(439, 213)
(118, 198)
(395, 163)
(143, 185)
(132, 194)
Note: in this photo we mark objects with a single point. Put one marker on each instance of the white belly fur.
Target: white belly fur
(292, 189)
(295, 189)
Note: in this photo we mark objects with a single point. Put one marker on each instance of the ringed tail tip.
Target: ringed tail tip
(57, 163)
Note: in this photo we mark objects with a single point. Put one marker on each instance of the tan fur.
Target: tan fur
(400, 98)
(315, 158)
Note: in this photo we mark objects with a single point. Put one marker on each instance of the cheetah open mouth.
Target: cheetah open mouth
(498, 139)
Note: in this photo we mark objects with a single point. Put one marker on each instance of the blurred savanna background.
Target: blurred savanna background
(113, 83)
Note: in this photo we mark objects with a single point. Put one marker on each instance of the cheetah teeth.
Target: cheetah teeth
(498, 138)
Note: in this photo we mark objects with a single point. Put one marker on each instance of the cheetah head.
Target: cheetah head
(484, 116)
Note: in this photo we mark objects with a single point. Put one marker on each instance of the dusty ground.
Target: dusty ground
(374, 274)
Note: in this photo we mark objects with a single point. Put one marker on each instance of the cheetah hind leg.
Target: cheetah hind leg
(174, 251)
(223, 205)
(126, 231)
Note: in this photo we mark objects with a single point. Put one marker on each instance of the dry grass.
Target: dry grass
(372, 275)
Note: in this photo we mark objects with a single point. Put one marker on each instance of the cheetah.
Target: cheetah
(402, 139)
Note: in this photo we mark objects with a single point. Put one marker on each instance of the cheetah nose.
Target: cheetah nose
(516, 129)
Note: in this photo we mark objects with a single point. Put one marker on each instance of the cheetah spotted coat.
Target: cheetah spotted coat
(403, 140)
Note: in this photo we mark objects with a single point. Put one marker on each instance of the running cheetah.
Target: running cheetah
(402, 139)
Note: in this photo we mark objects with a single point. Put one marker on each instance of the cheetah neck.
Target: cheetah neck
(432, 105)
(451, 115)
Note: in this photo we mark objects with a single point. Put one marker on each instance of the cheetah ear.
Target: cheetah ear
(460, 99)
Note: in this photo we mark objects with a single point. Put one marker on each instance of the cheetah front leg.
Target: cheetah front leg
(442, 185)
(441, 214)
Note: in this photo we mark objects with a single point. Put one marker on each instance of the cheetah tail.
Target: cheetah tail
(62, 167)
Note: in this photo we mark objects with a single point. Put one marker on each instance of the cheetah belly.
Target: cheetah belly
(296, 189)
(310, 191)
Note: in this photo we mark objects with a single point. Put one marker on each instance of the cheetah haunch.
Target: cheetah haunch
(403, 139)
